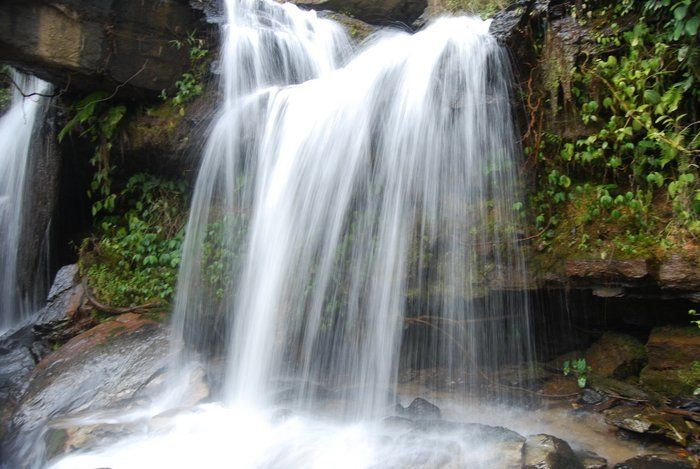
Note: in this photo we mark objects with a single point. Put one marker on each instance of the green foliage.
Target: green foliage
(5, 87)
(136, 255)
(482, 8)
(189, 86)
(97, 121)
(224, 245)
(579, 369)
(635, 94)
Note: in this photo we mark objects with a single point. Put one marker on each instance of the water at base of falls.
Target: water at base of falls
(350, 217)
(16, 132)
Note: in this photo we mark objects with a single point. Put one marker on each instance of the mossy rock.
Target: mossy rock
(617, 356)
(674, 361)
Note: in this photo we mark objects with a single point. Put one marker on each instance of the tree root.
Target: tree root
(113, 310)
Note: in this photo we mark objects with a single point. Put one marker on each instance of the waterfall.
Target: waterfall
(352, 215)
(16, 131)
(355, 215)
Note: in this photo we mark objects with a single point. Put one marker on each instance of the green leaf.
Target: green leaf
(652, 96)
(691, 26)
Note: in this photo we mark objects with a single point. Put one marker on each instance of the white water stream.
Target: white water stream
(16, 130)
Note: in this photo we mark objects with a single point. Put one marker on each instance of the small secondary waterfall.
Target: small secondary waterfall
(341, 203)
(16, 131)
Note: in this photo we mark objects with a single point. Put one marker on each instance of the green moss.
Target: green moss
(56, 439)
(482, 8)
(674, 382)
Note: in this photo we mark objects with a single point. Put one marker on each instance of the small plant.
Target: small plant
(136, 255)
(579, 369)
(189, 86)
(97, 121)
(695, 315)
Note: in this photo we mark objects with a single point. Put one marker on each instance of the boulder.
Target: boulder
(85, 45)
(590, 460)
(649, 421)
(110, 366)
(439, 443)
(673, 367)
(656, 461)
(560, 386)
(22, 349)
(371, 11)
(548, 452)
(63, 301)
(615, 387)
(422, 409)
(616, 355)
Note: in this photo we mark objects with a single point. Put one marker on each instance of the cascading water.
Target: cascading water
(350, 217)
(16, 130)
(329, 213)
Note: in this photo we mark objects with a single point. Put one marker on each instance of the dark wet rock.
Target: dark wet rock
(162, 140)
(590, 460)
(650, 422)
(39, 206)
(419, 408)
(21, 350)
(616, 356)
(560, 386)
(591, 397)
(398, 422)
(358, 30)
(525, 375)
(656, 461)
(511, 23)
(502, 448)
(371, 11)
(614, 387)
(62, 303)
(88, 45)
(110, 366)
(673, 367)
(19, 354)
(548, 452)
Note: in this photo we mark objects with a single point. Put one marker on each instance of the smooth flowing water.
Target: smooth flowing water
(337, 206)
(16, 130)
(355, 214)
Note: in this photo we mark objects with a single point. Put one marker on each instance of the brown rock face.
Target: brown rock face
(616, 356)
(607, 270)
(677, 272)
(372, 11)
(674, 360)
(97, 44)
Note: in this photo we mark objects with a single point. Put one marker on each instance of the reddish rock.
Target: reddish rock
(598, 269)
(680, 273)
(616, 356)
(674, 361)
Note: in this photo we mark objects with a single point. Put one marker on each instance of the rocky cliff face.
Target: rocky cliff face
(83, 45)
